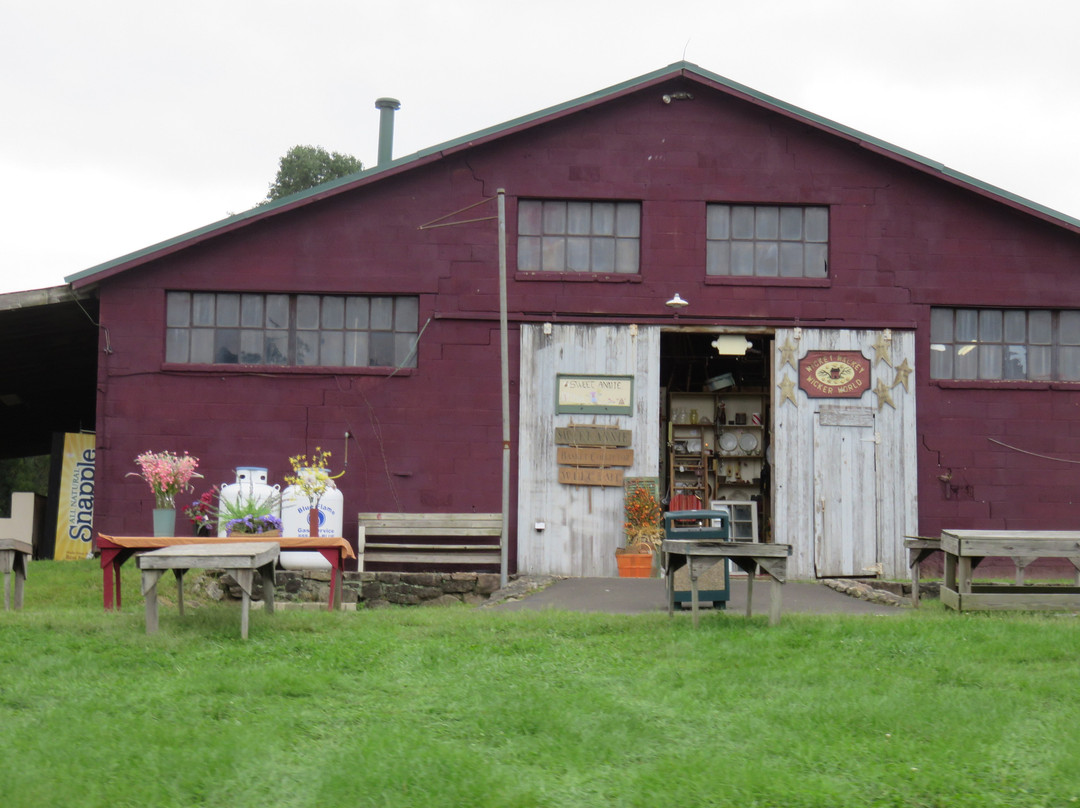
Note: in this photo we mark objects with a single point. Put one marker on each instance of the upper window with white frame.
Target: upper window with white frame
(217, 328)
(1005, 344)
(767, 241)
(579, 236)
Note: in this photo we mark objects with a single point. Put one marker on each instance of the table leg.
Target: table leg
(180, 590)
(963, 575)
(913, 556)
(950, 572)
(776, 596)
(337, 563)
(150, 580)
(1021, 563)
(750, 575)
(245, 578)
(693, 588)
(267, 573)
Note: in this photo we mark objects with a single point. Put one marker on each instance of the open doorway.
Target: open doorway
(715, 430)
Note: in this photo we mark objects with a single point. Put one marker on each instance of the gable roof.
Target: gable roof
(678, 69)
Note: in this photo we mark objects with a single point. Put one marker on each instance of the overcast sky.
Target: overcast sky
(127, 122)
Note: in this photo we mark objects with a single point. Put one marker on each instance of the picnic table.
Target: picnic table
(115, 550)
(240, 559)
(965, 549)
(698, 555)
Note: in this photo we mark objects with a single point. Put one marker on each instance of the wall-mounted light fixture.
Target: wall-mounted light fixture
(731, 345)
(677, 302)
(547, 329)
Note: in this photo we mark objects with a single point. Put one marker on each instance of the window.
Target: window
(290, 330)
(563, 236)
(1005, 344)
(767, 241)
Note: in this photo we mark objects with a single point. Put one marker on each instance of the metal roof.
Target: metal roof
(678, 69)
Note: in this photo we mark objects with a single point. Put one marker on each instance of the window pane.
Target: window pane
(1040, 328)
(742, 222)
(228, 310)
(382, 314)
(1015, 362)
(1069, 369)
(718, 258)
(577, 254)
(967, 325)
(202, 309)
(603, 219)
(555, 217)
(356, 312)
(202, 346)
(554, 253)
(382, 349)
(277, 311)
(529, 217)
(307, 312)
(766, 258)
(767, 223)
(332, 348)
(603, 255)
(251, 347)
(990, 361)
(356, 349)
(627, 255)
(407, 314)
(404, 345)
(718, 222)
(791, 260)
(817, 260)
(742, 258)
(628, 220)
(177, 309)
(791, 224)
(817, 224)
(226, 346)
(251, 311)
(277, 347)
(1015, 326)
(176, 345)
(941, 361)
(1040, 362)
(528, 258)
(941, 325)
(578, 218)
(333, 312)
(307, 348)
(1069, 328)
(965, 362)
(990, 329)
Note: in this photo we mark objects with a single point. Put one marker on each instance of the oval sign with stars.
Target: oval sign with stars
(834, 374)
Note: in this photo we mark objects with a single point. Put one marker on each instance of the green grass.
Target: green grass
(462, 707)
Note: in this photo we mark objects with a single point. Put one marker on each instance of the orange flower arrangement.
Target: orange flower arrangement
(643, 527)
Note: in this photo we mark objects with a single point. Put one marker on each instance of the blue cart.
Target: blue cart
(702, 525)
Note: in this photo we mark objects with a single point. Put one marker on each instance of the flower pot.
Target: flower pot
(266, 534)
(634, 565)
(164, 522)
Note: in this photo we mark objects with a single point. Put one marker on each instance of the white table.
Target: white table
(14, 555)
(240, 559)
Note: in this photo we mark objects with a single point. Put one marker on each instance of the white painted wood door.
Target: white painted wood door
(846, 537)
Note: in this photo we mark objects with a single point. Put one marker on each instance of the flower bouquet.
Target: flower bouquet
(202, 513)
(643, 527)
(168, 475)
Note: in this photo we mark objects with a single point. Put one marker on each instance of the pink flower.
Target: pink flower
(168, 474)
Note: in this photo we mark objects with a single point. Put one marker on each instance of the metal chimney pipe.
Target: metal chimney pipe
(386, 107)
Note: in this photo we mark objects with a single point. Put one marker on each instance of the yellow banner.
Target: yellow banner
(75, 509)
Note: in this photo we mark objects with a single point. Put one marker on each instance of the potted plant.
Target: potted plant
(168, 474)
(311, 480)
(644, 530)
(250, 513)
(201, 512)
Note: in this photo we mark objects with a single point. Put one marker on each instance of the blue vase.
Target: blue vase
(164, 522)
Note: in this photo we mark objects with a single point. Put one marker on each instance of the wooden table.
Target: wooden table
(964, 549)
(240, 559)
(14, 555)
(115, 550)
(698, 555)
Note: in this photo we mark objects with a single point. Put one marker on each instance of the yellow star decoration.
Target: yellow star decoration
(883, 395)
(903, 373)
(787, 391)
(881, 351)
(787, 354)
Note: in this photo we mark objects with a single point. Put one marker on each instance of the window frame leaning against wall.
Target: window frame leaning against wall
(270, 330)
(994, 344)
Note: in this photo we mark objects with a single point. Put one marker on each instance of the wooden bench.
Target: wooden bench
(14, 556)
(240, 559)
(380, 535)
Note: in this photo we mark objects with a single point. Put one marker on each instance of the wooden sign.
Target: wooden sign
(834, 374)
(592, 436)
(606, 477)
(612, 395)
(601, 457)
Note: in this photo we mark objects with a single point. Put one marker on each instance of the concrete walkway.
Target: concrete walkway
(640, 595)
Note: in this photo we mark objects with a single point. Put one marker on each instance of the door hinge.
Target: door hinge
(876, 439)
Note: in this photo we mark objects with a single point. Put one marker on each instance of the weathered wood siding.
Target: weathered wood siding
(857, 454)
(583, 524)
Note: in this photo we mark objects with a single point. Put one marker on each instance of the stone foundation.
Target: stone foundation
(368, 590)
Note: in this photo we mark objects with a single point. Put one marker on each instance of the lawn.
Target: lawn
(465, 707)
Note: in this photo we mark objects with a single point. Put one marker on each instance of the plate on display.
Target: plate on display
(728, 442)
(748, 442)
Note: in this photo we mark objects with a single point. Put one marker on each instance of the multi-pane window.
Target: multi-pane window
(291, 330)
(767, 241)
(564, 236)
(1005, 344)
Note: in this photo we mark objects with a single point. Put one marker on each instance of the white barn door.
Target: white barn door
(844, 469)
(573, 530)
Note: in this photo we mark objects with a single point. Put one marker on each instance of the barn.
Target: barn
(676, 281)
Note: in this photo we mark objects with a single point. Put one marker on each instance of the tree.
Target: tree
(304, 167)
